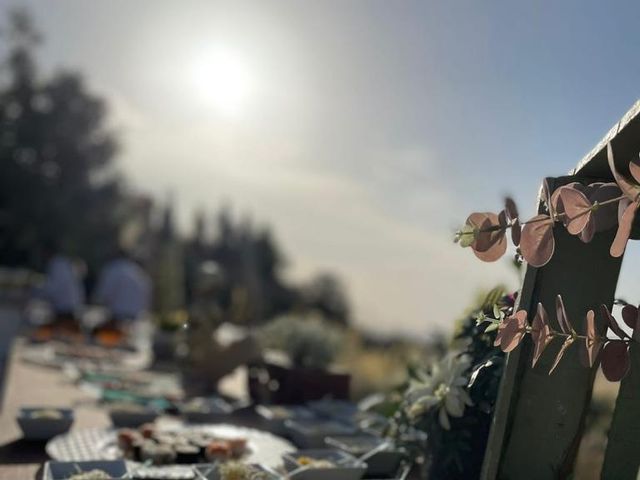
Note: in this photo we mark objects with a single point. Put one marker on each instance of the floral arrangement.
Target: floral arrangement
(442, 415)
(583, 210)
(442, 389)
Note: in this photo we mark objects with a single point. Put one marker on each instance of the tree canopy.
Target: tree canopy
(57, 184)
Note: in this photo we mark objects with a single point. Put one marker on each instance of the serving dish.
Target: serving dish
(131, 415)
(323, 464)
(100, 443)
(213, 409)
(311, 433)
(43, 423)
(275, 416)
(64, 470)
(383, 459)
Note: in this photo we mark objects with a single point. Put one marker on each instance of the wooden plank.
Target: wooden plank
(624, 137)
(539, 418)
(622, 458)
(625, 140)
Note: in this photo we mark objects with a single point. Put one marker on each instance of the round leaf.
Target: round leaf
(604, 216)
(630, 315)
(613, 323)
(490, 244)
(537, 243)
(634, 169)
(514, 330)
(592, 342)
(510, 208)
(624, 230)
(556, 203)
(631, 190)
(615, 360)
(546, 196)
(516, 232)
(540, 333)
(586, 235)
(577, 209)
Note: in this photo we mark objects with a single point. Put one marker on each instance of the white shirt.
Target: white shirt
(124, 288)
(62, 287)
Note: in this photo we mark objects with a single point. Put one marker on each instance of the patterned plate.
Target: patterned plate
(100, 444)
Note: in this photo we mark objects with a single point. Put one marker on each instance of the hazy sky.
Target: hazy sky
(363, 132)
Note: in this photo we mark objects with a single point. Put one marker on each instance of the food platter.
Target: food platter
(101, 443)
(58, 355)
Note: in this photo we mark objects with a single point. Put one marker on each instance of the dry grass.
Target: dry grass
(379, 368)
(594, 440)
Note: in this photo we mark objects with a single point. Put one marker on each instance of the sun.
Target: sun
(222, 80)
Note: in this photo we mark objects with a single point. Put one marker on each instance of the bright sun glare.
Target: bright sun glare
(223, 80)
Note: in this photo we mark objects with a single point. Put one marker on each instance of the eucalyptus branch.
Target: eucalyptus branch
(553, 217)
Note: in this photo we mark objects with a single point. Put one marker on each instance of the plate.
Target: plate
(58, 355)
(100, 443)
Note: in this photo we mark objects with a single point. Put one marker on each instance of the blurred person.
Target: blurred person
(124, 288)
(62, 289)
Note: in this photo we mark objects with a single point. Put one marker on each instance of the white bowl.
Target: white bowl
(312, 433)
(382, 464)
(347, 467)
(275, 416)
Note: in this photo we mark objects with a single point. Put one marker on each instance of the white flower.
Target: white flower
(444, 387)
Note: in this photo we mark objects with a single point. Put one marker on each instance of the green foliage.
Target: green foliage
(455, 448)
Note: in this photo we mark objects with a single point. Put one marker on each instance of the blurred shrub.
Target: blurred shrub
(308, 340)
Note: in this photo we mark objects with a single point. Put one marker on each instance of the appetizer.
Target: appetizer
(241, 471)
(310, 462)
(48, 413)
(91, 475)
(147, 443)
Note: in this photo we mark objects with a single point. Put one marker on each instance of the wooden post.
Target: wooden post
(538, 422)
(539, 418)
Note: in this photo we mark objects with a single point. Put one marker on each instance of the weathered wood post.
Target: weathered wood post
(539, 419)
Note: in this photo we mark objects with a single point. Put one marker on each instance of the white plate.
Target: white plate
(100, 444)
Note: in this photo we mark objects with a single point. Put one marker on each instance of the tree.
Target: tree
(326, 294)
(56, 177)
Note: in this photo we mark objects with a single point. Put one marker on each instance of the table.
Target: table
(28, 384)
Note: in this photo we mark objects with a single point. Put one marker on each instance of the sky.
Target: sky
(363, 132)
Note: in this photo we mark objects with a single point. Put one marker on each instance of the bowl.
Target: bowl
(212, 472)
(311, 433)
(43, 423)
(275, 416)
(340, 466)
(342, 410)
(382, 464)
(131, 416)
(206, 410)
(64, 470)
